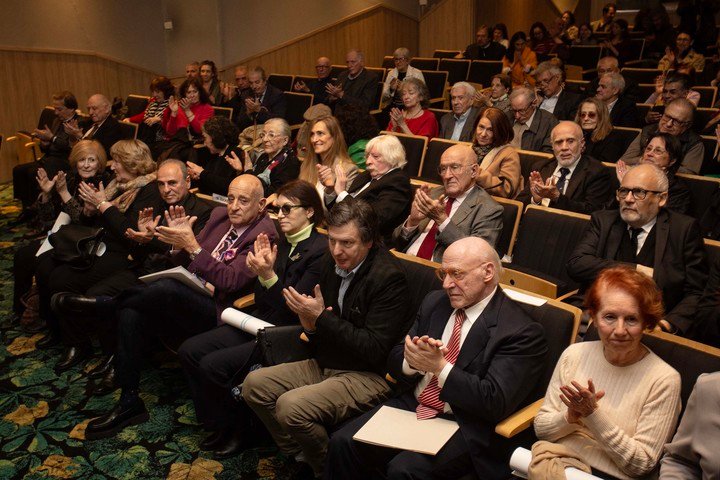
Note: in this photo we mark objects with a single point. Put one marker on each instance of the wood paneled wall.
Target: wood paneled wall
(30, 77)
(377, 31)
(449, 25)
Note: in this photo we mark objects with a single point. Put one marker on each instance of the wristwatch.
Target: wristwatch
(195, 253)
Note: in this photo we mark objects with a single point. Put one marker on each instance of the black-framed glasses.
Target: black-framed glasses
(667, 118)
(637, 193)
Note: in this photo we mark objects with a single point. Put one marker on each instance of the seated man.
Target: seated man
(553, 97)
(472, 355)
(266, 101)
(167, 306)
(608, 14)
(460, 124)
(102, 126)
(623, 111)
(573, 181)
(192, 70)
(358, 313)
(484, 47)
(673, 85)
(235, 96)
(532, 127)
(354, 85)
(664, 244)
(611, 65)
(677, 120)
(318, 87)
(457, 209)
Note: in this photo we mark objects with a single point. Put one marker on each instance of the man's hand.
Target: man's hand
(175, 216)
(181, 237)
(543, 189)
(252, 106)
(228, 91)
(194, 170)
(301, 87)
(45, 134)
(416, 214)
(432, 209)
(72, 129)
(653, 117)
(621, 169)
(307, 308)
(425, 354)
(334, 91)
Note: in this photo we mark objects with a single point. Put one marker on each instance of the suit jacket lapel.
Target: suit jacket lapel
(662, 230)
(466, 207)
(577, 177)
(479, 335)
(618, 229)
(359, 182)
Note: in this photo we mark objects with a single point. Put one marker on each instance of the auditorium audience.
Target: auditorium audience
(358, 127)
(414, 118)
(235, 96)
(675, 120)
(212, 173)
(457, 209)
(210, 83)
(278, 164)
(572, 181)
(665, 245)
(485, 47)
(500, 34)
(618, 43)
(489, 365)
(317, 87)
(183, 119)
(519, 62)
(218, 360)
(392, 89)
(682, 55)
(623, 111)
(265, 102)
(354, 85)
(553, 97)
(532, 127)
(459, 124)
(150, 121)
(608, 14)
(499, 163)
(367, 292)
(611, 404)
(602, 142)
(499, 90)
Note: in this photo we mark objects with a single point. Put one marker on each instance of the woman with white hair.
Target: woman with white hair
(278, 163)
(384, 184)
(392, 92)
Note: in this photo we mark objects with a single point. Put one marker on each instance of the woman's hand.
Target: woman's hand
(621, 169)
(152, 121)
(61, 184)
(146, 227)
(46, 184)
(184, 104)
(93, 196)
(581, 401)
(235, 162)
(398, 117)
(173, 105)
(194, 170)
(262, 259)
(326, 177)
(340, 179)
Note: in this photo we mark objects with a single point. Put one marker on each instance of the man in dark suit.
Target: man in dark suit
(355, 85)
(623, 111)
(532, 126)
(460, 124)
(218, 257)
(235, 95)
(611, 65)
(484, 47)
(318, 87)
(553, 97)
(265, 103)
(472, 355)
(358, 313)
(572, 181)
(667, 246)
(457, 209)
(100, 126)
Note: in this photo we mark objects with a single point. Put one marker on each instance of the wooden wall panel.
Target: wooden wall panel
(32, 76)
(449, 25)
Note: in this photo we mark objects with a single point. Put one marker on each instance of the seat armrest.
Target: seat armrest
(244, 302)
(519, 421)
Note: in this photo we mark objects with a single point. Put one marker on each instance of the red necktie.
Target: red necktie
(430, 404)
(427, 247)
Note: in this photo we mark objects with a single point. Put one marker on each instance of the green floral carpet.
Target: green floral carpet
(43, 415)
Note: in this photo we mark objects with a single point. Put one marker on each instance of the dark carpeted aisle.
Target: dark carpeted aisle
(43, 415)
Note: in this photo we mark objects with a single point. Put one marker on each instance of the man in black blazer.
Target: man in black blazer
(667, 246)
(623, 111)
(358, 312)
(572, 181)
(532, 126)
(100, 125)
(460, 123)
(501, 355)
(355, 85)
(484, 47)
(265, 103)
(611, 65)
(553, 97)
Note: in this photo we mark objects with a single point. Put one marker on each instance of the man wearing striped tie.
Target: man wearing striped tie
(473, 355)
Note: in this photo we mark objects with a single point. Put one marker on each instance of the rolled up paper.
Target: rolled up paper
(243, 321)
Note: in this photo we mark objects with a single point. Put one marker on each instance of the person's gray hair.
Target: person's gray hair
(686, 105)
(661, 179)
(548, 67)
(528, 93)
(359, 53)
(469, 89)
(281, 124)
(616, 81)
(178, 163)
(402, 52)
(390, 148)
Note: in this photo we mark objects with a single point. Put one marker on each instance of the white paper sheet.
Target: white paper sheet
(182, 275)
(524, 297)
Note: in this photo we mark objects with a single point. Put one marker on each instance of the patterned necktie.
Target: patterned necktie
(225, 247)
(430, 404)
(561, 181)
(427, 247)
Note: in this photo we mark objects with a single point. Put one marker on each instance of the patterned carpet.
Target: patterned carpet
(43, 415)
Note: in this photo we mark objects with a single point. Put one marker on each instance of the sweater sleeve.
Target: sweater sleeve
(202, 113)
(550, 422)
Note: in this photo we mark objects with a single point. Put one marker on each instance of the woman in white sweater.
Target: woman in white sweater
(612, 404)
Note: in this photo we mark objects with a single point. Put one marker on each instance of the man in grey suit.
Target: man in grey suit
(532, 126)
(460, 124)
(456, 210)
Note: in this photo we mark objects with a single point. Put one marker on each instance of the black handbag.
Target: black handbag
(76, 245)
(282, 345)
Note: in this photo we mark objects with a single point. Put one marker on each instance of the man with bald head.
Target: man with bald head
(676, 120)
(355, 85)
(665, 245)
(611, 65)
(100, 126)
(217, 256)
(572, 181)
(458, 209)
(317, 87)
(235, 95)
(472, 355)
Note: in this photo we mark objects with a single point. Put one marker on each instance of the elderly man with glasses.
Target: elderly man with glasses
(553, 97)
(318, 87)
(665, 245)
(532, 126)
(676, 121)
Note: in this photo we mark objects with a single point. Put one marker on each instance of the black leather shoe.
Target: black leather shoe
(71, 304)
(49, 340)
(213, 440)
(34, 327)
(71, 357)
(118, 418)
(106, 384)
(104, 365)
(233, 445)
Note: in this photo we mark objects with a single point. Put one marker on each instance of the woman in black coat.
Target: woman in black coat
(212, 173)
(278, 164)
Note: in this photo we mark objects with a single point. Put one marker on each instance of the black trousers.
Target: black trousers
(164, 307)
(25, 187)
(214, 363)
(24, 262)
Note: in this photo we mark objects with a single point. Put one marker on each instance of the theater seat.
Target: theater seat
(414, 150)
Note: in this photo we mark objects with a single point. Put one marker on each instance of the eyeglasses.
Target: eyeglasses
(454, 168)
(588, 114)
(637, 193)
(399, 59)
(655, 150)
(522, 110)
(667, 119)
(545, 80)
(269, 135)
(455, 274)
(287, 208)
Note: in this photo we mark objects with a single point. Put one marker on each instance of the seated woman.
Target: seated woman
(213, 173)
(665, 152)
(384, 184)
(613, 403)
(601, 141)
(499, 172)
(499, 90)
(585, 36)
(682, 55)
(520, 61)
(329, 151)
(210, 83)
(183, 119)
(415, 119)
(392, 89)
(116, 209)
(149, 122)
(500, 34)
(278, 164)
(619, 44)
(58, 194)
(219, 359)
(570, 31)
(358, 127)
(541, 41)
